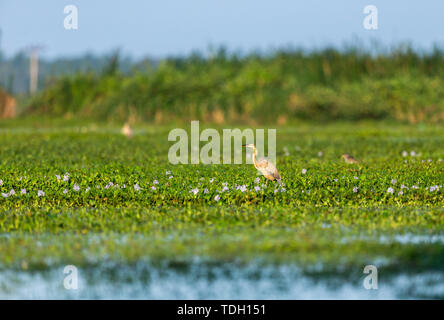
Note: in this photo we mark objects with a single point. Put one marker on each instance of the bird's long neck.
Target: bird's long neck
(254, 156)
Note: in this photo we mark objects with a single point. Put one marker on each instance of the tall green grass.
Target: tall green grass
(328, 84)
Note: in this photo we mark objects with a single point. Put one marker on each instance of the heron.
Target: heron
(349, 159)
(268, 169)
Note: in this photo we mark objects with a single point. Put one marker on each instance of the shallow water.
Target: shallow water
(210, 281)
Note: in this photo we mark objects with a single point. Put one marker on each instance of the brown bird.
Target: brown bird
(264, 166)
(349, 159)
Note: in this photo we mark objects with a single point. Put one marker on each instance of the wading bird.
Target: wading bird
(264, 166)
(349, 159)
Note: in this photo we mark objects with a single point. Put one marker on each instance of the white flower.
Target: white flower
(136, 187)
(412, 153)
(405, 154)
(390, 190)
(1, 182)
(156, 182)
(65, 191)
(217, 197)
(76, 187)
(12, 192)
(170, 177)
(225, 189)
(320, 154)
(87, 189)
(23, 191)
(5, 195)
(40, 193)
(195, 191)
(394, 181)
(400, 193)
(276, 190)
(168, 172)
(206, 190)
(304, 171)
(242, 188)
(211, 180)
(257, 180)
(66, 177)
(283, 190)
(257, 188)
(355, 189)
(356, 178)
(153, 188)
(415, 187)
(58, 177)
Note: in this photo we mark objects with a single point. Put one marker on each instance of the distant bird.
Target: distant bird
(264, 166)
(127, 131)
(349, 159)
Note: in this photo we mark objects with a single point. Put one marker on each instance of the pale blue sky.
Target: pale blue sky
(171, 27)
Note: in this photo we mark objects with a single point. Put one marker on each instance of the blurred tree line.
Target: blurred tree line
(327, 84)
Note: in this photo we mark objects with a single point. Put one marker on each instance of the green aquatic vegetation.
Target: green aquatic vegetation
(86, 195)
